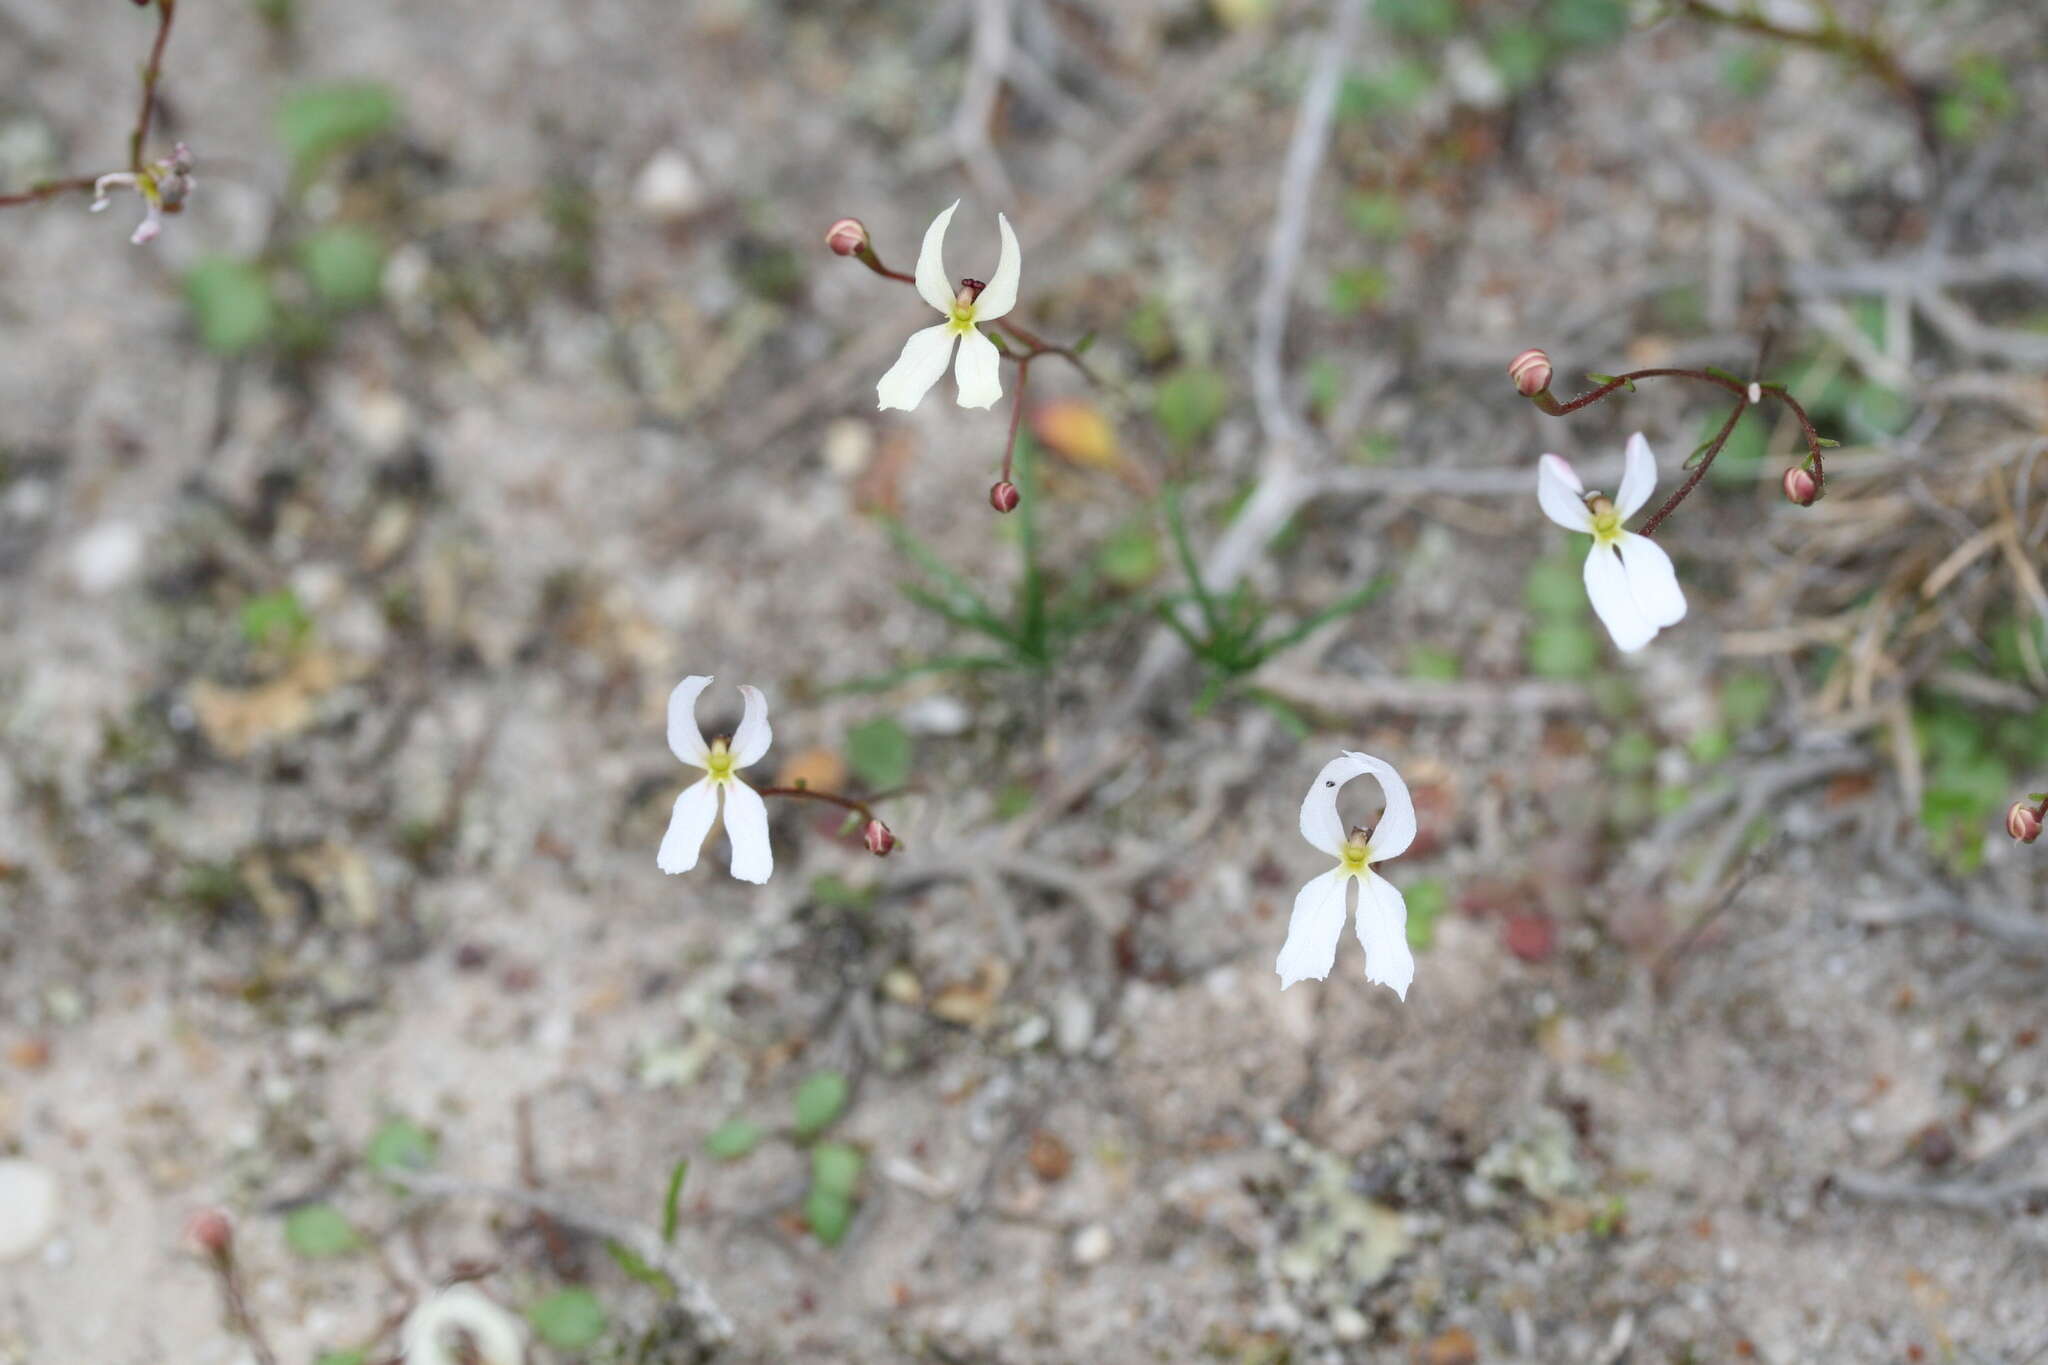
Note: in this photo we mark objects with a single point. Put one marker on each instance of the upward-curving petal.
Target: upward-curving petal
(978, 371)
(1613, 601)
(1383, 929)
(1651, 580)
(746, 827)
(1313, 929)
(1000, 296)
(1561, 494)
(751, 740)
(1396, 829)
(493, 1335)
(1320, 823)
(685, 740)
(688, 823)
(1638, 477)
(934, 285)
(917, 369)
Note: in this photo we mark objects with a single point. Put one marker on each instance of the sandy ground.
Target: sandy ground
(612, 424)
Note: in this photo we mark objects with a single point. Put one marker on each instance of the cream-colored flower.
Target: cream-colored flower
(1319, 910)
(978, 371)
(1629, 578)
(746, 815)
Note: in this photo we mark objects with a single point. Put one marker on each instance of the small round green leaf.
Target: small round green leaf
(569, 1319)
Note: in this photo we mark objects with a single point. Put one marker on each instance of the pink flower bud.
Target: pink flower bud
(1801, 488)
(878, 838)
(1004, 497)
(1531, 372)
(2023, 822)
(846, 237)
(210, 1233)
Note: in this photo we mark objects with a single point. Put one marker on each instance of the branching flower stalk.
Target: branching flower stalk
(1803, 483)
(163, 183)
(1012, 340)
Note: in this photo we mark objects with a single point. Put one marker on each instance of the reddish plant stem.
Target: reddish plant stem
(237, 1303)
(150, 75)
(831, 798)
(1017, 411)
(47, 189)
(1545, 402)
(867, 257)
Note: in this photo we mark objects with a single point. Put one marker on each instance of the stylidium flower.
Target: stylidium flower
(1319, 910)
(458, 1312)
(978, 370)
(163, 184)
(746, 815)
(1629, 577)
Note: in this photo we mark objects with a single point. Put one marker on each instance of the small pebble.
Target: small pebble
(28, 1207)
(107, 556)
(668, 187)
(1348, 1324)
(1092, 1245)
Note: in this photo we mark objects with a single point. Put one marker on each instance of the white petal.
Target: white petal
(1383, 929)
(934, 285)
(746, 826)
(1558, 489)
(917, 369)
(688, 823)
(494, 1332)
(1638, 477)
(979, 371)
(1396, 829)
(1000, 295)
(751, 740)
(1652, 580)
(685, 740)
(1320, 823)
(1613, 603)
(1313, 930)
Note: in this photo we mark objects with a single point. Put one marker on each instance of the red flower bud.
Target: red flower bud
(210, 1233)
(1004, 497)
(878, 838)
(846, 237)
(1531, 372)
(2023, 822)
(1801, 488)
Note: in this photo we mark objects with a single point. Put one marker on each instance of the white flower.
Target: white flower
(163, 184)
(1319, 909)
(494, 1333)
(1629, 577)
(746, 815)
(924, 357)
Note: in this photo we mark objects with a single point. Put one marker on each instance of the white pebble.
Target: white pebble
(28, 1207)
(107, 556)
(1092, 1245)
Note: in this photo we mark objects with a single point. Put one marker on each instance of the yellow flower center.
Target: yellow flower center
(719, 762)
(1606, 522)
(1356, 856)
(963, 319)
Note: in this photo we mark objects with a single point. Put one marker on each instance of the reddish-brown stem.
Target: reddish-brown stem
(1699, 471)
(48, 189)
(1017, 411)
(859, 808)
(237, 1303)
(150, 74)
(867, 257)
(1546, 403)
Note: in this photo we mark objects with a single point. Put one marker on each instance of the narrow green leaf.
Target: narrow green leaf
(636, 1266)
(673, 1202)
(1719, 373)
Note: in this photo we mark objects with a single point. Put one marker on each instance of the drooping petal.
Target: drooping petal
(685, 740)
(1651, 580)
(1320, 823)
(917, 369)
(688, 823)
(1613, 603)
(1559, 491)
(979, 371)
(1000, 296)
(1396, 829)
(934, 285)
(1383, 929)
(1638, 477)
(494, 1333)
(746, 827)
(751, 740)
(1313, 929)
